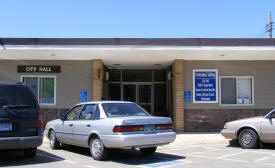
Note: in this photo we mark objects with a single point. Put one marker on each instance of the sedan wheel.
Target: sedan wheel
(248, 139)
(53, 141)
(97, 149)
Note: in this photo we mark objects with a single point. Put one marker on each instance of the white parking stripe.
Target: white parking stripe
(89, 166)
(261, 159)
(236, 160)
(69, 161)
(232, 154)
(269, 164)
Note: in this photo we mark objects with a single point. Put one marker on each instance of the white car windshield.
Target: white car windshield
(123, 110)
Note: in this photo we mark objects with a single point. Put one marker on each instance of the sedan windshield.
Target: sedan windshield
(123, 110)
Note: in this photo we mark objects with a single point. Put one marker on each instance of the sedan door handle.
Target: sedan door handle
(88, 125)
(71, 125)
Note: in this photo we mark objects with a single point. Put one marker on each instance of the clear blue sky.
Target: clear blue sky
(135, 18)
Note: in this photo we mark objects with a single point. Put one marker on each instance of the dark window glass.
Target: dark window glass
(122, 109)
(129, 93)
(87, 112)
(16, 95)
(133, 75)
(160, 75)
(72, 115)
(160, 98)
(114, 75)
(114, 91)
(144, 93)
(228, 90)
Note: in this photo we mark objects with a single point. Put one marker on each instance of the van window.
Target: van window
(16, 95)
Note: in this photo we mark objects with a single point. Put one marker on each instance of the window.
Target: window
(87, 112)
(72, 115)
(123, 109)
(43, 88)
(236, 91)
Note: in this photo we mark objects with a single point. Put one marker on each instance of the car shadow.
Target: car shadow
(132, 157)
(235, 144)
(135, 158)
(16, 158)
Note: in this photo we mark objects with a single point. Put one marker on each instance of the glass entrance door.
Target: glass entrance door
(129, 92)
(144, 97)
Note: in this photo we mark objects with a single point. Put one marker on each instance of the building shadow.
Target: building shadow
(16, 158)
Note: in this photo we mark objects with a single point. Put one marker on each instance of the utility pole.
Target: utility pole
(269, 25)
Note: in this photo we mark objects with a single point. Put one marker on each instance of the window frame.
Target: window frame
(237, 77)
(38, 93)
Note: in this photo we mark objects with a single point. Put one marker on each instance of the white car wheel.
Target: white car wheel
(248, 139)
(97, 149)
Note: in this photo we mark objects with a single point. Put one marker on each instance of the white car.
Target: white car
(251, 131)
(110, 124)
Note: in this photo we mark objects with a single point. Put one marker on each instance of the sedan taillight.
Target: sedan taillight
(130, 128)
(164, 126)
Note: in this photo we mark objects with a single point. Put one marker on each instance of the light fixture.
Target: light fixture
(169, 75)
(98, 73)
(157, 64)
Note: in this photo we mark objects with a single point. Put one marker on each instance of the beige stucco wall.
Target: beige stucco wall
(74, 77)
(262, 71)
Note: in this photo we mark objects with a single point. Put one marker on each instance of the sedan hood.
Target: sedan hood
(251, 119)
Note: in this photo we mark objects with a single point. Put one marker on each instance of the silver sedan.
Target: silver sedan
(251, 131)
(110, 124)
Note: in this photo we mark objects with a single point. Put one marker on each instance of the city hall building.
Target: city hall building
(199, 83)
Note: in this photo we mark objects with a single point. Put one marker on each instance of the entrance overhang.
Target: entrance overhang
(136, 56)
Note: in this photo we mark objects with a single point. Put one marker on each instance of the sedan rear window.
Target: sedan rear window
(14, 95)
(123, 110)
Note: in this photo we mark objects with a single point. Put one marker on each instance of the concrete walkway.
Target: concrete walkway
(198, 138)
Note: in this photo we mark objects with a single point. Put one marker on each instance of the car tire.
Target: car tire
(97, 149)
(248, 139)
(54, 143)
(30, 153)
(148, 151)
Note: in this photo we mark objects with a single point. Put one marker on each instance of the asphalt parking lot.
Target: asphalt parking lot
(195, 152)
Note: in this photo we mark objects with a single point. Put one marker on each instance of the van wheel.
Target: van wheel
(97, 149)
(248, 139)
(148, 151)
(54, 143)
(30, 152)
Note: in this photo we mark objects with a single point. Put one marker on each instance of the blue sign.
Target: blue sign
(83, 96)
(205, 86)
(187, 96)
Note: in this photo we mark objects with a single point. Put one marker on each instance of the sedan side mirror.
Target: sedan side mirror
(62, 117)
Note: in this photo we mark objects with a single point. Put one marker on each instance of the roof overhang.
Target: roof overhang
(141, 54)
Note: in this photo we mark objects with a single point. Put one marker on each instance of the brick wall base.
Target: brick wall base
(51, 114)
(213, 120)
